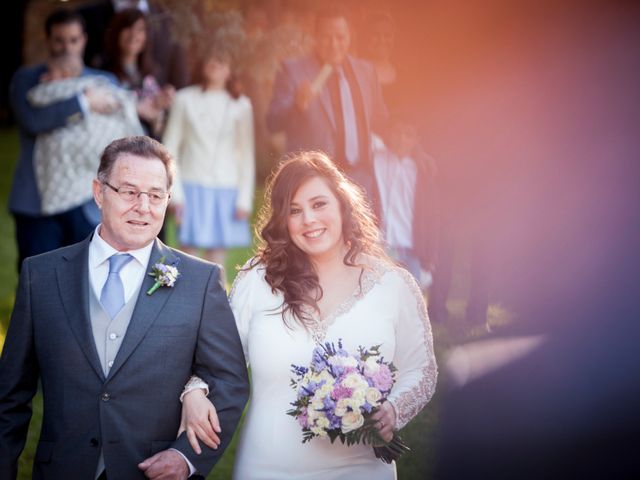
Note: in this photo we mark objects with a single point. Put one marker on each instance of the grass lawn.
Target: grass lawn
(419, 434)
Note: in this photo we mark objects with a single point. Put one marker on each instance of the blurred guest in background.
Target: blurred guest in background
(405, 177)
(330, 100)
(65, 159)
(35, 232)
(210, 132)
(378, 42)
(170, 57)
(128, 58)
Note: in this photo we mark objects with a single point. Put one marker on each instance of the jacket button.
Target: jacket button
(94, 442)
(105, 397)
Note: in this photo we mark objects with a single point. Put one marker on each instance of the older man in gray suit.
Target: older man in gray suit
(330, 100)
(113, 355)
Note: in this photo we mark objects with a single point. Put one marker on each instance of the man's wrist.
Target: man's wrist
(190, 466)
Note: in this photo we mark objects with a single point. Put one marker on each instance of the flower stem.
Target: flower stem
(154, 288)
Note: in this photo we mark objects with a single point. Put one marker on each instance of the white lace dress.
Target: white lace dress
(389, 310)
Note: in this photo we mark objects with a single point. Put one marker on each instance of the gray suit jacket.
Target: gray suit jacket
(135, 411)
(316, 128)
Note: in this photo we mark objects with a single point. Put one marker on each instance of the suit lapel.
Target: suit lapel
(73, 285)
(147, 307)
(324, 96)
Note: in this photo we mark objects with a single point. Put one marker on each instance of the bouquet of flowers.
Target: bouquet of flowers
(339, 392)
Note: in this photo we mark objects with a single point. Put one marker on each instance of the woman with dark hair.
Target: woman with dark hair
(320, 275)
(127, 57)
(210, 132)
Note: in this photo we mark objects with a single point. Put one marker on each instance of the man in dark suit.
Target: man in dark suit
(112, 354)
(330, 100)
(37, 233)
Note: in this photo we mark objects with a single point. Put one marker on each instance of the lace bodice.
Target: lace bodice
(388, 310)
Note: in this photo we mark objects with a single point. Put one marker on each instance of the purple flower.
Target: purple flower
(383, 379)
(303, 419)
(311, 387)
(340, 391)
(334, 421)
(318, 361)
(329, 404)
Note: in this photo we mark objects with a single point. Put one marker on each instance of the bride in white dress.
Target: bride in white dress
(319, 275)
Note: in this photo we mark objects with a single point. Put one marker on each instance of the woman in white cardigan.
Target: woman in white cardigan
(210, 132)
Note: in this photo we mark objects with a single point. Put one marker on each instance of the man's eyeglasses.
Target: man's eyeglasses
(130, 195)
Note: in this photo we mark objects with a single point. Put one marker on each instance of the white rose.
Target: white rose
(355, 403)
(349, 362)
(322, 422)
(354, 381)
(341, 361)
(352, 421)
(341, 407)
(324, 390)
(317, 403)
(358, 398)
(326, 376)
(371, 367)
(319, 431)
(373, 396)
(313, 414)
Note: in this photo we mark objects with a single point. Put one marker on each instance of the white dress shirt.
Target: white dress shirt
(396, 179)
(132, 276)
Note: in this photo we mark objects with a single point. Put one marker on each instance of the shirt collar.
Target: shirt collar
(100, 251)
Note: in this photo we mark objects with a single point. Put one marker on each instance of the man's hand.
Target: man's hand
(165, 465)
(101, 100)
(304, 95)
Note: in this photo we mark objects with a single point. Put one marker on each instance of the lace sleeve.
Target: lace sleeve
(193, 383)
(415, 358)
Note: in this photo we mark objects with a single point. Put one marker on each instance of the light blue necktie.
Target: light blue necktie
(349, 118)
(112, 296)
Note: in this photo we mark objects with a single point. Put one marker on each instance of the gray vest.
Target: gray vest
(108, 335)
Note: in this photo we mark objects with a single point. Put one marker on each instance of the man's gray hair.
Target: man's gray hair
(140, 146)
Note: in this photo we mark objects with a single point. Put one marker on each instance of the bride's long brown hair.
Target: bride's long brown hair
(287, 268)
